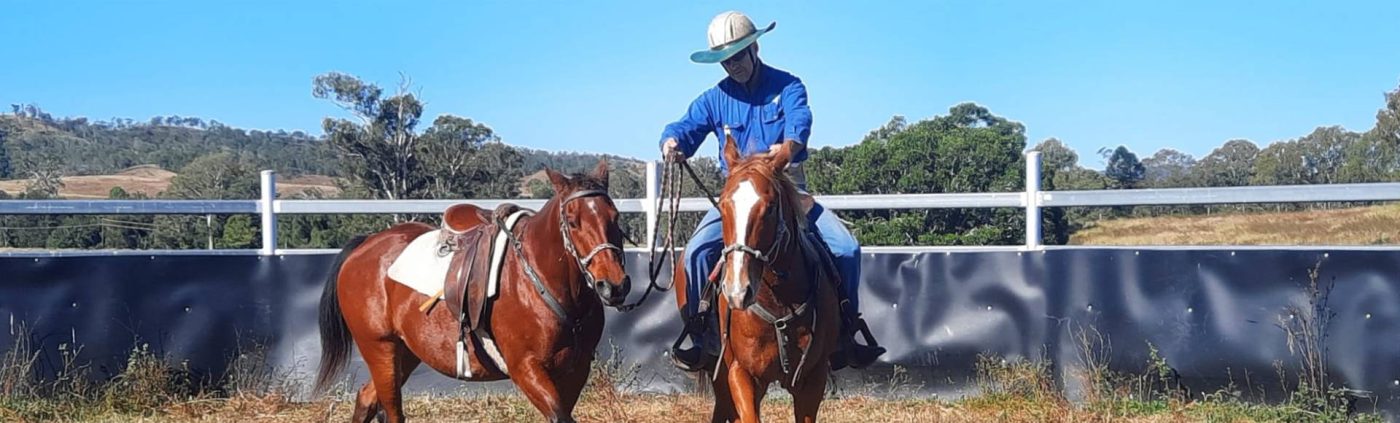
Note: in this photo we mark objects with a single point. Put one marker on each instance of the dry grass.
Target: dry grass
(639, 408)
(152, 180)
(1017, 391)
(297, 185)
(149, 180)
(1370, 225)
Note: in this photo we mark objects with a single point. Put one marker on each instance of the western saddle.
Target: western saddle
(469, 235)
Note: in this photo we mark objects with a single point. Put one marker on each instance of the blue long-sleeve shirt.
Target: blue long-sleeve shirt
(776, 111)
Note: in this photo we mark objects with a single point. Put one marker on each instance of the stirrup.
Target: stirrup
(851, 353)
(695, 358)
(862, 356)
(864, 331)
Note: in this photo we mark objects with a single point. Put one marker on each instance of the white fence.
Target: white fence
(1033, 199)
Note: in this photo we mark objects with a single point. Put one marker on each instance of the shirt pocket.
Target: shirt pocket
(772, 113)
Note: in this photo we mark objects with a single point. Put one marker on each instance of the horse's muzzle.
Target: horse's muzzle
(613, 294)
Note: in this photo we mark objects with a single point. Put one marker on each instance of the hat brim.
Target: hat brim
(720, 55)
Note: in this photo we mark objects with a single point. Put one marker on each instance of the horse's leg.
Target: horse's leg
(535, 382)
(746, 394)
(389, 364)
(366, 404)
(570, 386)
(724, 400)
(807, 397)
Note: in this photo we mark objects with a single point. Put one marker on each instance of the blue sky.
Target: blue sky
(606, 76)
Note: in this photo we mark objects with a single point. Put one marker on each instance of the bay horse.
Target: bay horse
(546, 320)
(778, 309)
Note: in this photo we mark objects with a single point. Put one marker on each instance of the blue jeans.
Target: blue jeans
(705, 246)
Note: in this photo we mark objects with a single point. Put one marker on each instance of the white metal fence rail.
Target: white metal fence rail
(1033, 199)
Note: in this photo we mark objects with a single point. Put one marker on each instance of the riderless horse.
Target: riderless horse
(523, 298)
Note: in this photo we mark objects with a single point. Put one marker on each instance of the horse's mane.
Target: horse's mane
(586, 181)
(759, 167)
(578, 181)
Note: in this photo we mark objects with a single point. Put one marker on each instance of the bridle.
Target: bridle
(569, 242)
(582, 262)
(780, 240)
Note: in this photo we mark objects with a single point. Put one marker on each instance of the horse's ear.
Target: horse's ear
(731, 149)
(600, 172)
(558, 180)
(782, 155)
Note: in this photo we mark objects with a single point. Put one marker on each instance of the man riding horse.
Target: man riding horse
(762, 107)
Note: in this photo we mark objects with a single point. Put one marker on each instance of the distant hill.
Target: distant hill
(95, 156)
(570, 161)
(1369, 225)
(151, 180)
(81, 147)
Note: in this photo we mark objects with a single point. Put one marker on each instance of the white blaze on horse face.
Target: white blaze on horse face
(745, 199)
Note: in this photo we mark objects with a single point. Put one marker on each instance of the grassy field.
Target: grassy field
(1372, 225)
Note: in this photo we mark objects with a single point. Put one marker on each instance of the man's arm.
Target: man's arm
(797, 121)
(690, 131)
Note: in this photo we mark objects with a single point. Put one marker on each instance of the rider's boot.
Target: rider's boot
(700, 355)
(849, 352)
(704, 338)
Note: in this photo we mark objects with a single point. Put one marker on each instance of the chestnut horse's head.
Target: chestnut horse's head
(760, 211)
(588, 222)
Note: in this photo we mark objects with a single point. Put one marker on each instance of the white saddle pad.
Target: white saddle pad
(419, 266)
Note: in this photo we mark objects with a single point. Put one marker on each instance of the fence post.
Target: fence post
(649, 203)
(269, 216)
(1032, 200)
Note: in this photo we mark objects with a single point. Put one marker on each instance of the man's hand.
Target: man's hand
(670, 150)
(773, 149)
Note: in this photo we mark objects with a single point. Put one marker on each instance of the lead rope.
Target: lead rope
(672, 191)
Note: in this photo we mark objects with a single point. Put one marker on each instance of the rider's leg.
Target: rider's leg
(843, 246)
(846, 251)
(701, 254)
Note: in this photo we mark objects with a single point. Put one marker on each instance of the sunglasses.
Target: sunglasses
(738, 58)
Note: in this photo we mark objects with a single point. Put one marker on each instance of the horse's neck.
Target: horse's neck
(543, 226)
(789, 258)
(542, 229)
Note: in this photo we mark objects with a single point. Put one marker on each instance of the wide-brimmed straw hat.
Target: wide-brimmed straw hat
(729, 33)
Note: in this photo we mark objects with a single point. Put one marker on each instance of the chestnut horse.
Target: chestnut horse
(777, 303)
(546, 320)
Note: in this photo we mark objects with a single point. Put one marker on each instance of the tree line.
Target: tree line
(1327, 155)
(384, 150)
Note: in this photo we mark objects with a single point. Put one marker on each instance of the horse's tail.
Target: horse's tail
(335, 335)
